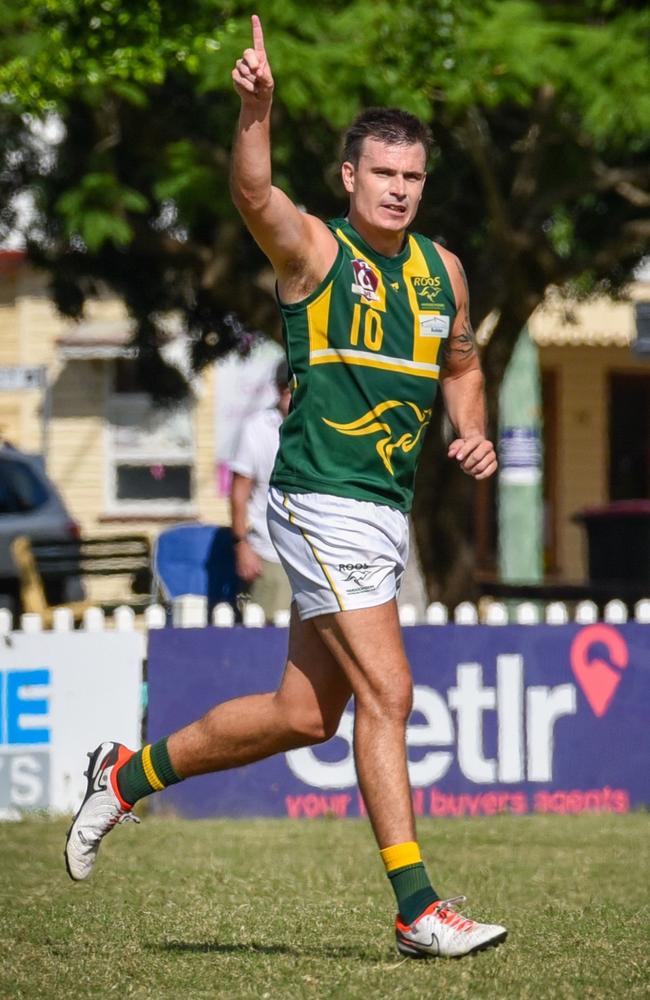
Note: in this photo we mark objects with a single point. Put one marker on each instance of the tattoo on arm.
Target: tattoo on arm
(460, 345)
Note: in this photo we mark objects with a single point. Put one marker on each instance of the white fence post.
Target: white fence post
(31, 622)
(223, 615)
(496, 614)
(466, 614)
(615, 613)
(407, 614)
(124, 618)
(586, 613)
(527, 613)
(437, 614)
(190, 611)
(642, 611)
(155, 616)
(253, 615)
(94, 620)
(62, 620)
(556, 613)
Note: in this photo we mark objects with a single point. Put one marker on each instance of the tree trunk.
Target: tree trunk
(442, 516)
(444, 508)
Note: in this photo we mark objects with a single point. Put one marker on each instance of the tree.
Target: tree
(540, 110)
(543, 168)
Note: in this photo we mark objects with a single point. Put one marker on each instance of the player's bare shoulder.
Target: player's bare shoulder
(459, 350)
(300, 273)
(455, 271)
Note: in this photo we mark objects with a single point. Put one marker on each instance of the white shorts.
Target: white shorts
(339, 554)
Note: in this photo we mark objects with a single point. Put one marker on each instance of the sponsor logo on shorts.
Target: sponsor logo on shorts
(357, 577)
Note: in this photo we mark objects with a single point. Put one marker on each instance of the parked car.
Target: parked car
(30, 505)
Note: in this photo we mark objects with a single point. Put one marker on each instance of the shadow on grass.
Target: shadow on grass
(308, 951)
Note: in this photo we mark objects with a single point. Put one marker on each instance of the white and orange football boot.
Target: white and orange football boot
(102, 808)
(441, 932)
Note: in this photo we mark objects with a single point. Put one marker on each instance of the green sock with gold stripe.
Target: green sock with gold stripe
(148, 770)
(409, 879)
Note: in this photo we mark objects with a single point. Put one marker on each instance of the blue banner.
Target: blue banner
(547, 719)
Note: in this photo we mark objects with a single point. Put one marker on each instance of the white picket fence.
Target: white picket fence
(191, 611)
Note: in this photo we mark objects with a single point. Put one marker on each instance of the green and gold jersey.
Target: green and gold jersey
(363, 351)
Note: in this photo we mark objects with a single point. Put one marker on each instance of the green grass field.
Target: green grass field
(291, 908)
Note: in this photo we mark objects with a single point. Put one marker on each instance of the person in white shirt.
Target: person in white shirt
(256, 560)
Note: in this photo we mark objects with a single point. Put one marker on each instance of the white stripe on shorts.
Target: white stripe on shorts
(339, 554)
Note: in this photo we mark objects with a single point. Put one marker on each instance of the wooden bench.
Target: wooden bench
(43, 563)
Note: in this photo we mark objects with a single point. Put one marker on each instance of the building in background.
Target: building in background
(123, 465)
(596, 411)
(117, 459)
(594, 362)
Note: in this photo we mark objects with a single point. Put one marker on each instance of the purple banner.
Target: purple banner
(516, 719)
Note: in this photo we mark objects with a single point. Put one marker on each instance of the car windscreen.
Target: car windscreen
(20, 489)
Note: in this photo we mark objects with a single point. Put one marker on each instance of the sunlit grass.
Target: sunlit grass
(279, 908)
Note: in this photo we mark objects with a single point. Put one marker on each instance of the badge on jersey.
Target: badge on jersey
(365, 281)
(433, 326)
(427, 289)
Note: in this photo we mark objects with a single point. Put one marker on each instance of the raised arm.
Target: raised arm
(461, 380)
(299, 246)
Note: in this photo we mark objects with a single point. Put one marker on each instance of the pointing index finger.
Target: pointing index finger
(258, 34)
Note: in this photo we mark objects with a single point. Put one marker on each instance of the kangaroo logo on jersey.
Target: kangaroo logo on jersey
(370, 423)
(365, 281)
(427, 290)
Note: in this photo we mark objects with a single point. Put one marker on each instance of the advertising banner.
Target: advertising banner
(520, 719)
(60, 695)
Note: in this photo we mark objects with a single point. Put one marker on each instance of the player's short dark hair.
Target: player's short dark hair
(390, 125)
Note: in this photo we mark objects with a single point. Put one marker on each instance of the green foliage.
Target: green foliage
(106, 47)
(188, 179)
(508, 49)
(483, 65)
(96, 210)
(561, 232)
(540, 111)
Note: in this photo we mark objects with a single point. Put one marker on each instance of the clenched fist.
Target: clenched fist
(475, 455)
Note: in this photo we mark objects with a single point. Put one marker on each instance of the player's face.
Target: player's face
(386, 187)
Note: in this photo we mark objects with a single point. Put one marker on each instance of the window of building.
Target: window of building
(629, 437)
(150, 452)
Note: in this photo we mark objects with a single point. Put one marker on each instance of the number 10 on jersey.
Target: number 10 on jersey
(373, 331)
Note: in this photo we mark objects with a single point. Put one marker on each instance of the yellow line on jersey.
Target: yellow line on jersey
(332, 356)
